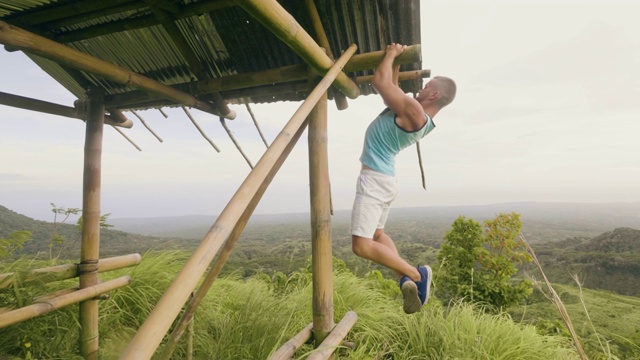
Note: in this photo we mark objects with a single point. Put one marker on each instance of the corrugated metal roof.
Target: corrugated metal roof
(226, 41)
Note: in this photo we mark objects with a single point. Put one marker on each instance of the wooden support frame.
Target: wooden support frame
(320, 198)
(49, 305)
(329, 345)
(152, 331)
(31, 43)
(275, 18)
(46, 107)
(90, 245)
(68, 271)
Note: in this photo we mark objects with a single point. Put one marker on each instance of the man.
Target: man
(403, 123)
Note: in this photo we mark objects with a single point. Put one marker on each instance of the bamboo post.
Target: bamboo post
(68, 271)
(190, 341)
(64, 55)
(90, 246)
(158, 322)
(334, 339)
(321, 259)
(286, 351)
(222, 258)
(33, 310)
(275, 18)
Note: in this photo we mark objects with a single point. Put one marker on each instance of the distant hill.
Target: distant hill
(609, 261)
(112, 242)
(617, 241)
(541, 221)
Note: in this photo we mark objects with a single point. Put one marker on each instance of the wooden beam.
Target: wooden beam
(249, 80)
(152, 331)
(56, 109)
(28, 42)
(48, 13)
(193, 9)
(275, 18)
(180, 42)
(31, 311)
(320, 195)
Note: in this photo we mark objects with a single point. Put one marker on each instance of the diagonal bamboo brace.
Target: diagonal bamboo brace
(152, 331)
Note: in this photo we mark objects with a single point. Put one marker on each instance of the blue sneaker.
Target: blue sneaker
(424, 285)
(410, 295)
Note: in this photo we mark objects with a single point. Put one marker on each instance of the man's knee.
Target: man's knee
(359, 245)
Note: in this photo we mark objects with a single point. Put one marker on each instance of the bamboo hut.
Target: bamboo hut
(207, 55)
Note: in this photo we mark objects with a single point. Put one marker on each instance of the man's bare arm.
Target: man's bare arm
(409, 111)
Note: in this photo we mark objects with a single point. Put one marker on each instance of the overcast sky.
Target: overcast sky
(547, 110)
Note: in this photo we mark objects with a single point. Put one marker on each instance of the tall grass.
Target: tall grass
(251, 318)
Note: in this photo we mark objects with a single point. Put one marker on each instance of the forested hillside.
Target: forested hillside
(112, 242)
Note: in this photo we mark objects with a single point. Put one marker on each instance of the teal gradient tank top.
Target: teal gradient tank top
(384, 139)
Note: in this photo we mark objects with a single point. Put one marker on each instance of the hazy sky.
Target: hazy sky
(547, 110)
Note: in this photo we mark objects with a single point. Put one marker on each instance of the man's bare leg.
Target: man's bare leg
(381, 237)
(382, 251)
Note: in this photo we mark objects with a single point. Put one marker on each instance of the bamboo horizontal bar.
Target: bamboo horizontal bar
(46, 107)
(35, 44)
(286, 351)
(68, 271)
(403, 76)
(335, 338)
(247, 82)
(370, 60)
(152, 331)
(31, 311)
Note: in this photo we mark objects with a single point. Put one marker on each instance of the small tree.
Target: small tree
(14, 242)
(479, 268)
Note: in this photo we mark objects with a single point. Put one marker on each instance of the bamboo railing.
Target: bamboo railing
(61, 298)
(64, 272)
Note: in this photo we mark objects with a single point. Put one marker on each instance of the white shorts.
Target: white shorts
(374, 193)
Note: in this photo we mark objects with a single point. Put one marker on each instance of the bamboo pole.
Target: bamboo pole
(334, 339)
(68, 271)
(275, 18)
(321, 259)
(127, 138)
(193, 121)
(158, 322)
(90, 246)
(286, 351)
(144, 123)
(255, 122)
(222, 258)
(235, 142)
(34, 44)
(402, 76)
(31, 311)
(56, 109)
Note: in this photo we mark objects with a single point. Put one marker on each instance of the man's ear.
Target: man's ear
(434, 95)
